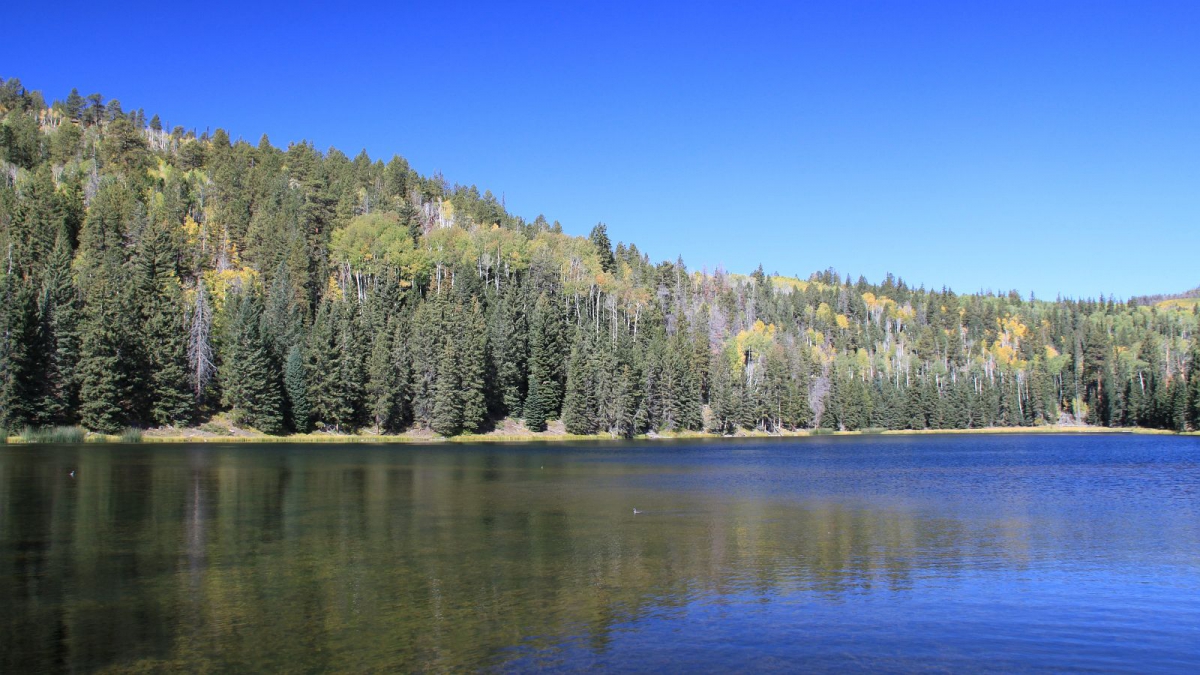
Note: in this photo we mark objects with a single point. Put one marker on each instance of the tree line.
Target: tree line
(157, 278)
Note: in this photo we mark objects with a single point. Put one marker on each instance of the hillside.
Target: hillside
(158, 278)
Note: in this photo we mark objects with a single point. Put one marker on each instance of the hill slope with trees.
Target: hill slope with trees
(154, 277)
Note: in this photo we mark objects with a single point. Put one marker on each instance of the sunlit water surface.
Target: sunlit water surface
(894, 554)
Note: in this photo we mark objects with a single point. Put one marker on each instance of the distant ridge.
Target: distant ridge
(1145, 300)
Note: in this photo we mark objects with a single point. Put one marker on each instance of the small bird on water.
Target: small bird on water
(635, 511)
(72, 474)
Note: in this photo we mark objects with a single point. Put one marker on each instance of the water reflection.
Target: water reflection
(361, 558)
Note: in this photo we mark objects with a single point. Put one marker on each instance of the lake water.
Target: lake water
(883, 554)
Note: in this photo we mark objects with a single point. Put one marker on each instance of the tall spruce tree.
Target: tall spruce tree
(447, 403)
(19, 358)
(580, 412)
(59, 321)
(474, 357)
(250, 378)
(112, 386)
(382, 385)
(164, 336)
(545, 365)
(509, 339)
(295, 384)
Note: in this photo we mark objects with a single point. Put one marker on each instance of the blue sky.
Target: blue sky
(1051, 147)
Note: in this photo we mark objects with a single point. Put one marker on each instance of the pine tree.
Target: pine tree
(35, 225)
(296, 388)
(425, 339)
(250, 379)
(402, 362)
(1177, 411)
(579, 412)
(545, 364)
(59, 321)
(1194, 386)
(19, 359)
(351, 366)
(164, 336)
(681, 385)
(447, 403)
(321, 366)
(722, 399)
(105, 385)
(74, 105)
(381, 383)
(283, 316)
(112, 388)
(509, 339)
(599, 239)
(473, 369)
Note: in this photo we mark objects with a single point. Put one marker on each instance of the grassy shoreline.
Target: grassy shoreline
(191, 435)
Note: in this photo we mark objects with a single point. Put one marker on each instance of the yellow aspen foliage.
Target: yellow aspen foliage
(191, 232)
(756, 340)
(219, 283)
(825, 313)
(333, 289)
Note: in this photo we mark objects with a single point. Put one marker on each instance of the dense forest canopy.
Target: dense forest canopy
(154, 277)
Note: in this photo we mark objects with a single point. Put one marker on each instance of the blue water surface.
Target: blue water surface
(959, 553)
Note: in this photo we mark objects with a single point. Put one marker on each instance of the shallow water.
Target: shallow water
(895, 554)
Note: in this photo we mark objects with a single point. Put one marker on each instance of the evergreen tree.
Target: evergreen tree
(508, 336)
(473, 368)
(336, 367)
(19, 372)
(59, 322)
(579, 413)
(545, 365)
(382, 383)
(681, 388)
(164, 336)
(112, 388)
(74, 105)
(599, 239)
(1194, 386)
(106, 383)
(448, 405)
(723, 399)
(250, 379)
(296, 388)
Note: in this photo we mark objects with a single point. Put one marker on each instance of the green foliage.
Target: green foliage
(164, 335)
(338, 293)
(112, 389)
(335, 367)
(545, 365)
(59, 326)
(61, 435)
(20, 358)
(296, 387)
(250, 378)
(131, 435)
(447, 403)
(580, 410)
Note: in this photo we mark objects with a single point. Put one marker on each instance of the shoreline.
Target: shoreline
(192, 435)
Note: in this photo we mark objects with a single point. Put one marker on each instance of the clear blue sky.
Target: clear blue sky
(1051, 147)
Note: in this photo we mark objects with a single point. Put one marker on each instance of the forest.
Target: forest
(156, 277)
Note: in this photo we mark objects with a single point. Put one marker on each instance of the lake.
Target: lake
(888, 553)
